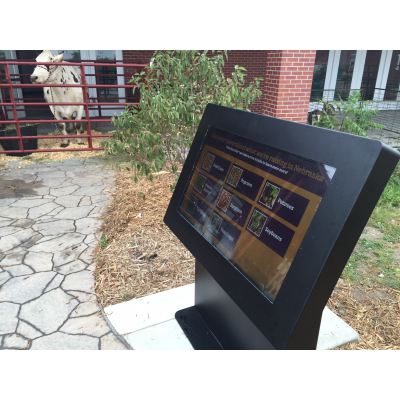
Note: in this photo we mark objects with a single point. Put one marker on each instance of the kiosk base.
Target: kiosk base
(196, 330)
(150, 323)
(216, 315)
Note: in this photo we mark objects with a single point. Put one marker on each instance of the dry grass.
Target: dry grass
(56, 144)
(374, 312)
(142, 255)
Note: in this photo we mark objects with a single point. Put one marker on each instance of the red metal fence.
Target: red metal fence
(19, 103)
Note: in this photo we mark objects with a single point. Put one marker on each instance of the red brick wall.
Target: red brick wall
(134, 57)
(253, 60)
(287, 85)
(255, 63)
(287, 78)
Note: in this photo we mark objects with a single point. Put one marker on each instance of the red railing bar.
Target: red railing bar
(41, 98)
(31, 85)
(50, 137)
(73, 60)
(66, 104)
(110, 74)
(65, 64)
(44, 121)
(36, 103)
(91, 109)
(66, 60)
(50, 150)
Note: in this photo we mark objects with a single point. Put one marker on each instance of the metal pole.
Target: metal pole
(8, 78)
(97, 91)
(86, 100)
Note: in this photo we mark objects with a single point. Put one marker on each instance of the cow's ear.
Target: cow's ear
(58, 58)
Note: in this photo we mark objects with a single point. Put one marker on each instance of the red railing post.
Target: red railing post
(86, 101)
(96, 73)
(3, 114)
(14, 108)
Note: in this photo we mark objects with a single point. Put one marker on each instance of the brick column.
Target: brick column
(287, 85)
(134, 57)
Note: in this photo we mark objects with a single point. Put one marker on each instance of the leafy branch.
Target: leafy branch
(351, 116)
(174, 92)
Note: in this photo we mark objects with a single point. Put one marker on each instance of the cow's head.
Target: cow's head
(41, 74)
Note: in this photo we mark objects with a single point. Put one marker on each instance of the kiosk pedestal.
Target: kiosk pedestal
(215, 322)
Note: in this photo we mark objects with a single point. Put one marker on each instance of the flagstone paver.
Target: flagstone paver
(13, 212)
(64, 257)
(69, 200)
(40, 262)
(108, 342)
(23, 223)
(64, 341)
(8, 317)
(48, 230)
(28, 330)
(57, 227)
(79, 281)
(74, 266)
(55, 283)
(92, 325)
(19, 270)
(13, 259)
(75, 213)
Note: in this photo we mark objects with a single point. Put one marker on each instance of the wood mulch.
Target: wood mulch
(374, 312)
(143, 257)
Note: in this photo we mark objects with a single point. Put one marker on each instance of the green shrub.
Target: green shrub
(351, 116)
(174, 92)
(391, 194)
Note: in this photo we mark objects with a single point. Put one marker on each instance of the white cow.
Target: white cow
(60, 74)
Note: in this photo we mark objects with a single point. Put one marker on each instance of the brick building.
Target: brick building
(294, 80)
(287, 78)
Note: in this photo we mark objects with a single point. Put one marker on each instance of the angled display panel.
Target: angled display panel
(253, 203)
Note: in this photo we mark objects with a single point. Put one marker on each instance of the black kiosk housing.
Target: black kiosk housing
(231, 311)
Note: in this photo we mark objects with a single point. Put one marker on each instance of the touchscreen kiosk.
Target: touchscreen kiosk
(271, 210)
(253, 203)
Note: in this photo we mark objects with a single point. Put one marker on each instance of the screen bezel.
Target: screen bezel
(331, 236)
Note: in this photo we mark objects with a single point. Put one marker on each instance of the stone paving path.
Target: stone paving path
(48, 230)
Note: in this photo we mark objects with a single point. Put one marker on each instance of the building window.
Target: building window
(393, 81)
(370, 74)
(69, 55)
(107, 76)
(320, 67)
(345, 74)
(5, 94)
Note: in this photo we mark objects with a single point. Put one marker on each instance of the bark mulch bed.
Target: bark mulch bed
(142, 257)
(374, 312)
